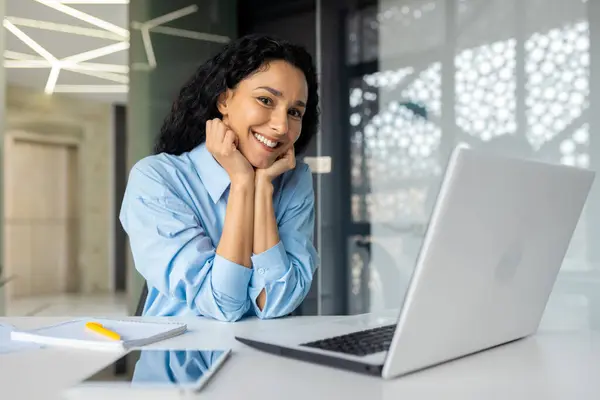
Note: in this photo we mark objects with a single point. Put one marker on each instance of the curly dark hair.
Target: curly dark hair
(184, 128)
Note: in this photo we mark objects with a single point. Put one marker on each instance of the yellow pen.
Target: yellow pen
(98, 328)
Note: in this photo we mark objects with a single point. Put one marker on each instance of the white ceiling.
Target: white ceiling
(22, 14)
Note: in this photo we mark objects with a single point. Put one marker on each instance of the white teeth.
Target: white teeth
(264, 140)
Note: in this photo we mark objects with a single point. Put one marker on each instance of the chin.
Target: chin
(262, 164)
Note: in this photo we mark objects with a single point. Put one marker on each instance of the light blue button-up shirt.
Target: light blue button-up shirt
(173, 211)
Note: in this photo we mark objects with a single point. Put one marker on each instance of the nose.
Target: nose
(279, 122)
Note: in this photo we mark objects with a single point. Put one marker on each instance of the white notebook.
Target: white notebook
(75, 334)
(9, 346)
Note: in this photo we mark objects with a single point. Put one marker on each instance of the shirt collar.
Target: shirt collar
(214, 177)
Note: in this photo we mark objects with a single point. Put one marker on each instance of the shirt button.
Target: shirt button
(261, 271)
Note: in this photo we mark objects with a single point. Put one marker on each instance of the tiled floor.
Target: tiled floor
(69, 305)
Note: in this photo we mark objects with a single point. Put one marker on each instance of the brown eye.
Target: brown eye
(295, 113)
(265, 100)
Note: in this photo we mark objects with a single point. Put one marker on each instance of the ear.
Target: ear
(223, 101)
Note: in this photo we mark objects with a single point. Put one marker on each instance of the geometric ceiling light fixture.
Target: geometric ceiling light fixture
(70, 63)
(145, 27)
(54, 63)
(90, 19)
(16, 60)
(110, 72)
(73, 64)
(109, 76)
(45, 54)
(79, 63)
(96, 53)
(91, 1)
(91, 89)
(156, 25)
(64, 28)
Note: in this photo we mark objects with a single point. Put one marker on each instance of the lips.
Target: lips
(267, 143)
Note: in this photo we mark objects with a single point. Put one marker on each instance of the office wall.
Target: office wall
(157, 75)
(91, 124)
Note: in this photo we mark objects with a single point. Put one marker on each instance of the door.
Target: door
(41, 221)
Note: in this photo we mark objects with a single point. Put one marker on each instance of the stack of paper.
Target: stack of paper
(75, 334)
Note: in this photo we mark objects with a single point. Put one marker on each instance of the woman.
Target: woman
(220, 219)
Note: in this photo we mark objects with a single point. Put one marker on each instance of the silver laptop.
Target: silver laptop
(493, 248)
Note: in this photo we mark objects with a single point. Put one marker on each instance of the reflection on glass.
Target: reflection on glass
(159, 368)
(508, 77)
(181, 367)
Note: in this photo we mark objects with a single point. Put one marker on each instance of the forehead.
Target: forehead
(282, 76)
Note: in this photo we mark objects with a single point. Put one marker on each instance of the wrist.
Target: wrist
(243, 183)
(261, 177)
(263, 182)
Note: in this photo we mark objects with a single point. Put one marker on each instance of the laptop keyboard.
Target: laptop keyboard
(361, 343)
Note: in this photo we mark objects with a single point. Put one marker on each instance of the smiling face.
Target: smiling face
(265, 111)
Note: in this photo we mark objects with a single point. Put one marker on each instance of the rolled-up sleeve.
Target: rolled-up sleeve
(173, 253)
(285, 271)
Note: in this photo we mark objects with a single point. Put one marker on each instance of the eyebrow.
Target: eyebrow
(277, 93)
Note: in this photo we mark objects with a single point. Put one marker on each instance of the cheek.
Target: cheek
(253, 114)
(294, 133)
(245, 116)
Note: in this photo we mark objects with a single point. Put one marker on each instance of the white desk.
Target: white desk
(545, 366)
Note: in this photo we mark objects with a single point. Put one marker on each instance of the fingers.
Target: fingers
(230, 140)
(212, 138)
(287, 160)
(291, 155)
(208, 131)
(219, 138)
(291, 151)
(215, 130)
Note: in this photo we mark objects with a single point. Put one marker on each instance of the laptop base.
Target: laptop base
(315, 358)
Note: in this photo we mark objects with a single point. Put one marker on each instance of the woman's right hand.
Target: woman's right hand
(222, 143)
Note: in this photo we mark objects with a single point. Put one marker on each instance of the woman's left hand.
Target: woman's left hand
(284, 163)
